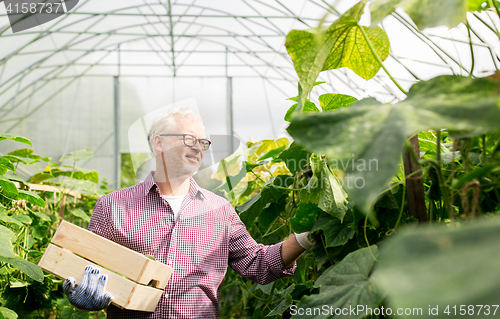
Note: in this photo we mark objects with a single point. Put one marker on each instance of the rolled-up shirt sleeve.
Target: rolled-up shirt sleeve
(257, 262)
(100, 222)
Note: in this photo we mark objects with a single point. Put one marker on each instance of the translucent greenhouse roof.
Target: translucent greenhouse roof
(62, 83)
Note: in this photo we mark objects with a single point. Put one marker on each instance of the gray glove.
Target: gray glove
(90, 294)
(305, 240)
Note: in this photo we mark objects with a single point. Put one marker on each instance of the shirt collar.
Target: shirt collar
(194, 189)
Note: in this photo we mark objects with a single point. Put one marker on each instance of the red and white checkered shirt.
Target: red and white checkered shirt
(207, 237)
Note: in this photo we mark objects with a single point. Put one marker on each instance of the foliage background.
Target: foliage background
(368, 240)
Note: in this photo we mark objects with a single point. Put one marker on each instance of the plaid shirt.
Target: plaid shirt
(207, 236)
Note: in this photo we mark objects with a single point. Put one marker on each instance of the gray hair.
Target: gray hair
(166, 123)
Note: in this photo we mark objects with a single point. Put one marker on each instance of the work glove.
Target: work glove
(90, 294)
(306, 240)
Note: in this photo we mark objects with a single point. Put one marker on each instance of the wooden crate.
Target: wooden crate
(63, 258)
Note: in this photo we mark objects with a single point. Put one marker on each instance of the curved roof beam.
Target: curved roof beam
(59, 20)
(289, 79)
(49, 98)
(67, 15)
(35, 81)
(148, 35)
(37, 63)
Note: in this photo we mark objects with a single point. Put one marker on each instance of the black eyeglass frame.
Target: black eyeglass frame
(195, 140)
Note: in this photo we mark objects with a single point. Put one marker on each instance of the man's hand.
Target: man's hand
(90, 294)
(294, 246)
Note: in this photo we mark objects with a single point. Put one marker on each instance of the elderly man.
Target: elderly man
(191, 229)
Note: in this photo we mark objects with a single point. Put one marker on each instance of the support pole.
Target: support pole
(116, 117)
(415, 183)
(229, 92)
(230, 109)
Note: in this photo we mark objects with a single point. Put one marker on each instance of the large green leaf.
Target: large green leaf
(260, 148)
(232, 180)
(15, 178)
(8, 188)
(270, 213)
(251, 209)
(478, 172)
(8, 219)
(80, 214)
(23, 152)
(82, 185)
(31, 197)
(477, 5)
(336, 232)
(90, 175)
(333, 101)
(8, 313)
(345, 285)
(440, 266)
(304, 218)
(366, 139)
(308, 107)
(16, 138)
(28, 153)
(40, 177)
(25, 219)
(282, 306)
(425, 13)
(76, 156)
(5, 165)
(6, 242)
(19, 159)
(273, 153)
(332, 198)
(29, 268)
(341, 45)
(295, 157)
(283, 299)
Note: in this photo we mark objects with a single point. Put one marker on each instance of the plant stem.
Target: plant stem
(437, 46)
(471, 48)
(466, 155)
(439, 172)
(391, 231)
(438, 147)
(379, 60)
(494, 4)
(288, 189)
(451, 180)
(493, 58)
(487, 25)
(228, 180)
(326, 250)
(366, 239)
(402, 208)
(258, 177)
(485, 158)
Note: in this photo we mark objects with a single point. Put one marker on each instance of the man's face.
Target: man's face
(181, 160)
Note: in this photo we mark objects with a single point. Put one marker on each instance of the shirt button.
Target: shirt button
(169, 262)
(166, 295)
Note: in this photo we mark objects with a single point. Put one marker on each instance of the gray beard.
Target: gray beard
(177, 168)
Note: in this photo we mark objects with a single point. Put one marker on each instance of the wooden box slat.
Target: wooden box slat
(127, 294)
(74, 248)
(111, 255)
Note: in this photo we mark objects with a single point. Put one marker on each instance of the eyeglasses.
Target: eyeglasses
(190, 140)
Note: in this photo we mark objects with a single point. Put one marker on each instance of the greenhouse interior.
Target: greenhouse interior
(354, 155)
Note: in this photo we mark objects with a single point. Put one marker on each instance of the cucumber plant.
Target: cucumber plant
(342, 178)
